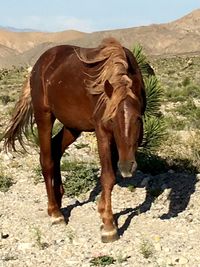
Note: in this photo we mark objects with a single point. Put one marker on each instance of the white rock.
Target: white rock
(179, 260)
(160, 261)
(6, 156)
(25, 246)
(158, 247)
(166, 249)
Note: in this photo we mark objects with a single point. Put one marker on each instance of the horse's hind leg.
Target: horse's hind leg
(45, 122)
(51, 151)
(59, 143)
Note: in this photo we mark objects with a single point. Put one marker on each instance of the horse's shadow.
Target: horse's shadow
(66, 211)
(181, 185)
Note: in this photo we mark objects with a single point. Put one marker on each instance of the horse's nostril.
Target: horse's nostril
(134, 166)
(127, 168)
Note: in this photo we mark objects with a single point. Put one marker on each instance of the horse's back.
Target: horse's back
(58, 83)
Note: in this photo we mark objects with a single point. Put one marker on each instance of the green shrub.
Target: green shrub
(191, 112)
(181, 93)
(174, 123)
(146, 249)
(80, 177)
(5, 99)
(186, 81)
(5, 182)
(102, 261)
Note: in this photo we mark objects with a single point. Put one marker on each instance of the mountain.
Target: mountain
(181, 36)
(6, 51)
(23, 41)
(177, 37)
(12, 29)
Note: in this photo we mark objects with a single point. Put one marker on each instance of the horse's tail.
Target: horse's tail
(21, 120)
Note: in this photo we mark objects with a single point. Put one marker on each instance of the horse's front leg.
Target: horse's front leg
(108, 228)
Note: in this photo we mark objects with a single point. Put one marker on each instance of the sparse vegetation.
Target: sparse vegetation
(38, 178)
(107, 260)
(79, 177)
(38, 238)
(5, 182)
(146, 249)
(102, 261)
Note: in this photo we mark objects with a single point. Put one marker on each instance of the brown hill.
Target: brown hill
(23, 41)
(6, 51)
(178, 37)
(188, 23)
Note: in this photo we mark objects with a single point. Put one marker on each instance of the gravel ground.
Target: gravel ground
(154, 231)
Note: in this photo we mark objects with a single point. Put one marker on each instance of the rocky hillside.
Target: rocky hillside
(23, 41)
(178, 37)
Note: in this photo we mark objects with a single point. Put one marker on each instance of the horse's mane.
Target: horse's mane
(114, 68)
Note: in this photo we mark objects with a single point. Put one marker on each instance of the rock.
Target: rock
(166, 249)
(160, 261)
(158, 247)
(198, 176)
(179, 260)
(25, 246)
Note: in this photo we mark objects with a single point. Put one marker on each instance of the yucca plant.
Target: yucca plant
(142, 61)
(153, 95)
(154, 127)
(154, 133)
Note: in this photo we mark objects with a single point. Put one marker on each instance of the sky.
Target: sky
(90, 15)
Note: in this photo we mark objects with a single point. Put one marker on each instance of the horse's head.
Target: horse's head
(127, 129)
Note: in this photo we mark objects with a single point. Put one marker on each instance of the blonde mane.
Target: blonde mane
(114, 68)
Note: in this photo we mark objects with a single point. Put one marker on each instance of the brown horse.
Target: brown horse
(87, 89)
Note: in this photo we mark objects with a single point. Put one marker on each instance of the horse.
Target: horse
(97, 89)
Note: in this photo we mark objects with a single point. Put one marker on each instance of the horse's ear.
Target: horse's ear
(108, 89)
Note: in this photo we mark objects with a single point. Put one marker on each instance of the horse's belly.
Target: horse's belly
(75, 119)
(71, 105)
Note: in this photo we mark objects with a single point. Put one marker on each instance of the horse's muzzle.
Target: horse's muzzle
(127, 168)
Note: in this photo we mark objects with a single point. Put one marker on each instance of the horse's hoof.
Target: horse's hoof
(109, 236)
(57, 218)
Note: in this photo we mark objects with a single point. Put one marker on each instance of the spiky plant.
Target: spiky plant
(154, 133)
(153, 95)
(154, 127)
(142, 61)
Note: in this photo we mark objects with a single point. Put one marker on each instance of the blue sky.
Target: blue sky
(91, 15)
